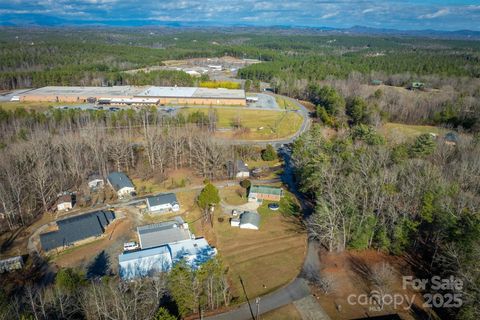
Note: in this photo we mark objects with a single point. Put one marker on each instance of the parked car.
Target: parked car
(129, 246)
(273, 206)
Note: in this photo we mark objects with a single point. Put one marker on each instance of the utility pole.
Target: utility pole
(246, 296)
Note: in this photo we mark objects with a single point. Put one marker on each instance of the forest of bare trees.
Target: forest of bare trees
(44, 157)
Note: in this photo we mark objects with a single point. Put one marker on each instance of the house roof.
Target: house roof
(158, 234)
(195, 251)
(134, 255)
(241, 166)
(119, 180)
(266, 190)
(71, 230)
(65, 198)
(160, 199)
(249, 217)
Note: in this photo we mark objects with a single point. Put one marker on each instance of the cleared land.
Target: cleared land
(352, 273)
(404, 131)
(254, 124)
(265, 259)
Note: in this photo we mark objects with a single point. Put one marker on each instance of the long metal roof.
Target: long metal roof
(71, 230)
(155, 235)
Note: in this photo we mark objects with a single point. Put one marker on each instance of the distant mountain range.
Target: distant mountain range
(36, 20)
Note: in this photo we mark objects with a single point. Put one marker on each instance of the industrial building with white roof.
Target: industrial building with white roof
(162, 245)
(132, 95)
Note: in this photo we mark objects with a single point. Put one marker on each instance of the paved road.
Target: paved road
(298, 289)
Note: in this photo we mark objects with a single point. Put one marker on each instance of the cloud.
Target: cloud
(329, 15)
(437, 14)
(406, 14)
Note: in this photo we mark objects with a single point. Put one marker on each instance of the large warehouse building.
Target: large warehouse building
(131, 95)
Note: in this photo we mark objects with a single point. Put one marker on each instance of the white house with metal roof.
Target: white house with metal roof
(166, 202)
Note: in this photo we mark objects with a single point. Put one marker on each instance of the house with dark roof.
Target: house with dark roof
(238, 169)
(242, 170)
(166, 202)
(259, 193)
(78, 228)
(121, 184)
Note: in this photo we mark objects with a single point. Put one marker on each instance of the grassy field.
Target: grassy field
(286, 104)
(259, 124)
(265, 259)
(404, 131)
(38, 106)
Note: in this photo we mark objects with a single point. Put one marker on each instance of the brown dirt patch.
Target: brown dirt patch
(351, 274)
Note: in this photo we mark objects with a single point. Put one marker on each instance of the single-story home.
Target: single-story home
(95, 182)
(121, 184)
(259, 193)
(165, 202)
(65, 202)
(159, 234)
(242, 170)
(250, 220)
(11, 264)
(78, 228)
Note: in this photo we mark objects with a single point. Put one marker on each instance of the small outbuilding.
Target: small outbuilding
(162, 203)
(65, 202)
(250, 220)
(259, 193)
(121, 184)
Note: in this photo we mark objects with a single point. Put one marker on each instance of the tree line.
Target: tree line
(74, 295)
(46, 154)
(420, 196)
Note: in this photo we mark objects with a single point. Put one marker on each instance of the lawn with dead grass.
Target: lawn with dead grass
(233, 195)
(256, 124)
(287, 312)
(286, 104)
(265, 259)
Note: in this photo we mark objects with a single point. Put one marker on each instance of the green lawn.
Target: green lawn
(260, 124)
(38, 106)
(410, 131)
(286, 104)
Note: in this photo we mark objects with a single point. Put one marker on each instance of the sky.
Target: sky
(396, 14)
